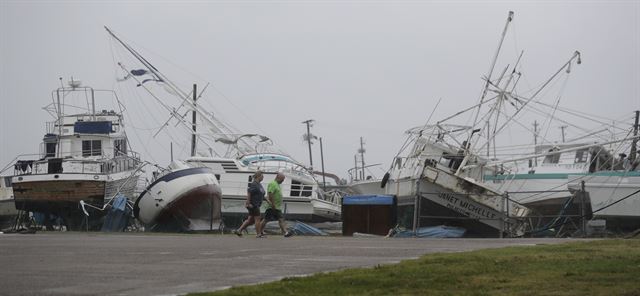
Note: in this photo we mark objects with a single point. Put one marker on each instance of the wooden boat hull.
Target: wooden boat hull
(61, 198)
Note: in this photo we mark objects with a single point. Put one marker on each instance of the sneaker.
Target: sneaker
(261, 236)
(238, 233)
(288, 234)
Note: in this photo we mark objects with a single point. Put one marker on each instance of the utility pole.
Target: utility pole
(535, 140)
(324, 181)
(634, 143)
(193, 122)
(308, 138)
(361, 151)
(562, 128)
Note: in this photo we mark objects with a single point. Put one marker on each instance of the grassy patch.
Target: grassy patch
(607, 267)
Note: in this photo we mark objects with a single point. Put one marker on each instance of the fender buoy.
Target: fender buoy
(384, 181)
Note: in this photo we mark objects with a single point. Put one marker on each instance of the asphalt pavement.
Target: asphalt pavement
(75, 263)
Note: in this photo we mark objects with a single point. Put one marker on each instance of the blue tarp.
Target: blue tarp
(119, 202)
(305, 229)
(117, 218)
(368, 200)
(440, 231)
(92, 127)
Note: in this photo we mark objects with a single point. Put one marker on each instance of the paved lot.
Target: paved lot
(153, 264)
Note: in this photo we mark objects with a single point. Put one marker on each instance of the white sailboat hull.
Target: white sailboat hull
(181, 200)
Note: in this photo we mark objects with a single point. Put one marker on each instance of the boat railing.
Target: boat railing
(281, 166)
(75, 166)
(230, 187)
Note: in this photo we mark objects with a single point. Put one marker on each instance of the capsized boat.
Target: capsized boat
(181, 199)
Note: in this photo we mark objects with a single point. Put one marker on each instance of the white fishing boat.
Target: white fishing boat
(302, 198)
(614, 197)
(233, 156)
(84, 156)
(544, 182)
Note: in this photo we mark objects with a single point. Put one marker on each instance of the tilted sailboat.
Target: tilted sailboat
(233, 157)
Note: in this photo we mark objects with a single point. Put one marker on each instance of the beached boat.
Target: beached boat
(84, 156)
(431, 191)
(181, 199)
(234, 157)
(441, 180)
(614, 196)
(302, 198)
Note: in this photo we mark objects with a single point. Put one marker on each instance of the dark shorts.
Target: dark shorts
(254, 211)
(272, 214)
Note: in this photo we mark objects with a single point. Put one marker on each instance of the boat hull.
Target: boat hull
(298, 208)
(8, 213)
(60, 198)
(60, 195)
(604, 192)
(183, 200)
(445, 199)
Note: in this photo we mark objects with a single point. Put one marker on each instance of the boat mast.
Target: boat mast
(193, 115)
(484, 91)
(59, 120)
(160, 77)
(493, 64)
(634, 149)
(361, 151)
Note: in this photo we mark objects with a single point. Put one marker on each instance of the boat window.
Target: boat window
(7, 182)
(306, 191)
(50, 149)
(553, 158)
(296, 188)
(120, 147)
(582, 156)
(91, 148)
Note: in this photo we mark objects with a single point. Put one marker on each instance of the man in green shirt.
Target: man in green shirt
(274, 201)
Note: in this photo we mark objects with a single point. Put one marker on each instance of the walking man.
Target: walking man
(274, 201)
(255, 195)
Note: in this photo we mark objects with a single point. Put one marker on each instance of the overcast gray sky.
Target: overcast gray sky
(367, 69)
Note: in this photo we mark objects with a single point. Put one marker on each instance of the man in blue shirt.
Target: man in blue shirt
(255, 195)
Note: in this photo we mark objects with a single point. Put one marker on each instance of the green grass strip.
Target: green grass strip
(605, 267)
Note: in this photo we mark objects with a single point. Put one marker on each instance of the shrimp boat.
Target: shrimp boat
(232, 156)
(441, 179)
(84, 157)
